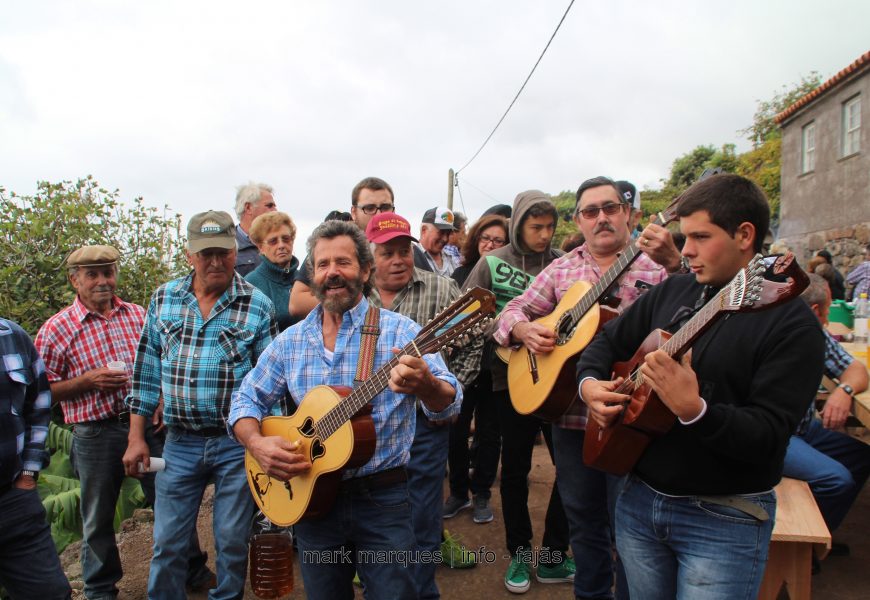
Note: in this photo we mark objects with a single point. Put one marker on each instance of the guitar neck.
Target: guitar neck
(596, 292)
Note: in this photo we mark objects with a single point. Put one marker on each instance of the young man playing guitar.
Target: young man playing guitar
(371, 511)
(695, 515)
(603, 218)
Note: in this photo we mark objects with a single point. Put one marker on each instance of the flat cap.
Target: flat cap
(93, 256)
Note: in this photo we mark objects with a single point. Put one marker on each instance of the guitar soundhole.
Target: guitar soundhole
(317, 450)
(565, 329)
(307, 428)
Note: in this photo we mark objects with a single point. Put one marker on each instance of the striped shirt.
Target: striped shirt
(25, 404)
(77, 340)
(860, 278)
(298, 361)
(424, 297)
(551, 284)
(195, 363)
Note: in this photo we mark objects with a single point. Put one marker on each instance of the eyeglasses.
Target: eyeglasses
(273, 241)
(371, 209)
(610, 209)
(497, 242)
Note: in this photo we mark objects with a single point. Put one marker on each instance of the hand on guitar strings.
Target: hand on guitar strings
(604, 404)
(674, 382)
(412, 377)
(658, 243)
(534, 336)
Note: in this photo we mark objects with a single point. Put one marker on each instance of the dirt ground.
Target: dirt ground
(841, 578)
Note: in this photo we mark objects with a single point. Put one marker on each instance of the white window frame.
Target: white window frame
(808, 147)
(851, 126)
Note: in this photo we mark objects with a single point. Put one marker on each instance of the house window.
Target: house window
(808, 148)
(852, 126)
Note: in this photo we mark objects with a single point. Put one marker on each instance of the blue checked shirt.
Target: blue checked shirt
(296, 362)
(837, 360)
(25, 404)
(195, 363)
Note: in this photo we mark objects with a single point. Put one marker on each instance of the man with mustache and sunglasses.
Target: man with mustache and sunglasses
(603, 217)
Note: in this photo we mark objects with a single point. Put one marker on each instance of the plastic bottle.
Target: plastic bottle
(862, 312)
(271, 557)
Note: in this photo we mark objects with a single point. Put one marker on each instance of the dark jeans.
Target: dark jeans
(29, 565)
(518, 439)
(477, 402)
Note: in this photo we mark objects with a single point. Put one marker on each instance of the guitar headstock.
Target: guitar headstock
(744, 290)
(764, 283)
(459, 319)
(670, 212)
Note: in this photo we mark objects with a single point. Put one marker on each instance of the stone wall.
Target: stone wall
(846, 245)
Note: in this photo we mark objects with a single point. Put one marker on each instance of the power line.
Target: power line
(522, 87)
(496, 200)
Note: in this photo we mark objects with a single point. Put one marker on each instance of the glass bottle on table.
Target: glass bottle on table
(862, 313)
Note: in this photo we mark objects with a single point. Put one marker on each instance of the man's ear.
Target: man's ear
(745, 236)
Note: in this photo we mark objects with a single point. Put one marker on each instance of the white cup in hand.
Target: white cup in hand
(157, 464)
(116, 365)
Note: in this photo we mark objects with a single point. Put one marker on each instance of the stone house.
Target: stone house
(825, 175)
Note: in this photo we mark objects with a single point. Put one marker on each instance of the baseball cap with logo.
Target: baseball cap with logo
(384, 227)
(629, 193)
(212, 229)
(441, 217)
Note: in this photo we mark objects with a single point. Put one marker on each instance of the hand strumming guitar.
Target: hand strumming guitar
(279, 458)
(534, 336)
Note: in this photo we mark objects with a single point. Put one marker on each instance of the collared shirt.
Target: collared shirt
(247, 254)
(837, 360)
(297, 361)
(197, 363)
(77, 340)
(424, 297)
(860, 278)
(448, 263)
(550, 286)
(453, 252)
(25, 404)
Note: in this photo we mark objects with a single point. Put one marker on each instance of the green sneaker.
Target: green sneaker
(561, 573)
(516, 580)
(356, 580)
(454, 554)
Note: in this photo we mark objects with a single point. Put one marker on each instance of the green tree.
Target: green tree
(38, 232)
(763, 126)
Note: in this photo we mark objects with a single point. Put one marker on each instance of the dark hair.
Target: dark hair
(729, 200)
(458, 220)
(338, 215)
(575, 240)
(370, 183)
(541, 209)
(329, 230)
(826, 255)
(595, 182)
(470, 252)
(504, 210)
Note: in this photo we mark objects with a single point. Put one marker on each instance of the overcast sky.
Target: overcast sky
(180, 102)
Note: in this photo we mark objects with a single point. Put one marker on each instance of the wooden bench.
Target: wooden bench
(799, 530)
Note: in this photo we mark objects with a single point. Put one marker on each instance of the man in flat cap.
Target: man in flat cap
(203, 332)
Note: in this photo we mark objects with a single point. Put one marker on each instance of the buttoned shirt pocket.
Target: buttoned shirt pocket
(234, 344)
(170, 335)
(19, 381)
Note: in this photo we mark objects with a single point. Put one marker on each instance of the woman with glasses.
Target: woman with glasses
(488, 234)
(274, 233)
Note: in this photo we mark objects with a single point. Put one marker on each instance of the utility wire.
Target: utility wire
(461, 199)
(496, 200)
(522, 87)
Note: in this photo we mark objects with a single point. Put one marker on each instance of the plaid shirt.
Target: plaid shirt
(551, 284)
(860, 278)
(196, 363)
(423, 298)
(837, 360)
(77, 340)
(296, 362)
(25, 404)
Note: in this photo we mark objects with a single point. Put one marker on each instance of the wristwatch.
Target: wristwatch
(847, 388)
(29, 473)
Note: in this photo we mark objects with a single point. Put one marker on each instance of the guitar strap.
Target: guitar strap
(367, 345)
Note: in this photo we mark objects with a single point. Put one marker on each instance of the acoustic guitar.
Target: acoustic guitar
(333, 425)
(644, 417)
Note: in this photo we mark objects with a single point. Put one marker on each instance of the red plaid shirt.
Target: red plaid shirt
(76, 340)
(551, 284)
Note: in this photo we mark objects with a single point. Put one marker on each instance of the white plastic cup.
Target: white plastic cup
(116, 365)
(157, 464)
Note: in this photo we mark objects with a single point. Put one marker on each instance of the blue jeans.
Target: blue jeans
(191, 463)
(348, 538)
(426, 469)
(682, 547)
(477, 402)
(834, 465)
(98, 447)
(589, 496)
(29, 565)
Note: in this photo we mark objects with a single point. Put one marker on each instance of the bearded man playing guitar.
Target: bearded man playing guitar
(695, 514)
(371, 511)
(603, 218)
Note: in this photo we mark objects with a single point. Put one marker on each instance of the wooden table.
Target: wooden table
(799, 530)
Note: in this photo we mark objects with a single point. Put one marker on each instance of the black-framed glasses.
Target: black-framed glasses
(495, 241)
(610, 209)
(371, 209)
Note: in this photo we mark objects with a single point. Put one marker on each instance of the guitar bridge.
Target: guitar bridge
(533, 367)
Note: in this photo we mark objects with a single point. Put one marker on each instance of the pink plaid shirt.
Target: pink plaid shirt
(551, 284)
(76, 340)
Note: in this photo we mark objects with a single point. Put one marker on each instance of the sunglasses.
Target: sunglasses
(609, 209)
(371, 209)
(497, 242)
